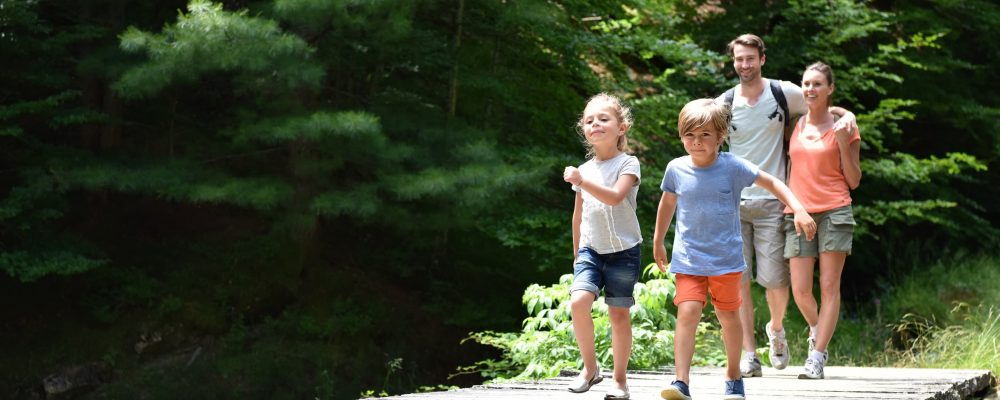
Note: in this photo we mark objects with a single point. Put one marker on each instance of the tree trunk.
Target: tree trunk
(453, 91)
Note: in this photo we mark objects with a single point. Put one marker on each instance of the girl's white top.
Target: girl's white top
(603, 228)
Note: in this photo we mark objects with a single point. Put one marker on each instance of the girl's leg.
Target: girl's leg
(831, 265)
(732, 335)
(621, 341)
(802, 287)
(688, 316)
(581, 303)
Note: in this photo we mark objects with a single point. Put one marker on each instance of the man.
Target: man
(757, 133)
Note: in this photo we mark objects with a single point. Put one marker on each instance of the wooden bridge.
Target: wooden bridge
(707, 383)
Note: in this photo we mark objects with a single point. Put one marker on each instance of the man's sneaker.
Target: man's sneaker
(814, 366)
(778, 353)
(678, 390)
(734, 390)
(750, 366)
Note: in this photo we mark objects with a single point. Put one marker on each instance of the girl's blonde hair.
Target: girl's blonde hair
(701, 112)
(622, 111)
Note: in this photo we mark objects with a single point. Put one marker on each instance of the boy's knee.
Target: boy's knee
(728, 316)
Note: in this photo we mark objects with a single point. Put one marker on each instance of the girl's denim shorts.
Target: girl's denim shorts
(616, 273)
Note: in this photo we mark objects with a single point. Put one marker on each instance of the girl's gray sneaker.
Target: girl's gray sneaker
(581, 384)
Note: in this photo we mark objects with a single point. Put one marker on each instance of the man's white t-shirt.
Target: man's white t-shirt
(757, 132)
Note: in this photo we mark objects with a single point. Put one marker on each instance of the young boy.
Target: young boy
(704, 188)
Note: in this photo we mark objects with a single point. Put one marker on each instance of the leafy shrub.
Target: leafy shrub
(547, 343)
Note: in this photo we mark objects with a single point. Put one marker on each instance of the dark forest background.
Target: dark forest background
(313, 199)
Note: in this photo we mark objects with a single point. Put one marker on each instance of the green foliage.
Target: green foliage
(970, 344)
(949, 316)
(209, 39)
(547, 344)
(28, 267)
(240, 168)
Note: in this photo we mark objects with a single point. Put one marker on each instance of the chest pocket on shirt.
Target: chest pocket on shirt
(723, 205)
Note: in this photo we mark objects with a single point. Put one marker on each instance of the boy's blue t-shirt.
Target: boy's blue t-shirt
(707, 240)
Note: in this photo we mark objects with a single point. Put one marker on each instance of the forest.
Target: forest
(334, 199)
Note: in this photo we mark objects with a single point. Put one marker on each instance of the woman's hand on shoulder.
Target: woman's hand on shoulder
(845, 124)
(843, 132)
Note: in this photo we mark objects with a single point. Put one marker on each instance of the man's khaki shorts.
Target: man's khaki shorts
(764, 239)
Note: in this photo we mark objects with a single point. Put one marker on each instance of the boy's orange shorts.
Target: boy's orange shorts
(725, 290)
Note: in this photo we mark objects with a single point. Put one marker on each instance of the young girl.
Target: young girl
(704, 188)
(606, 238)
(826, 166)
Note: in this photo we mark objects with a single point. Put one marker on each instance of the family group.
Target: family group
(765, 210)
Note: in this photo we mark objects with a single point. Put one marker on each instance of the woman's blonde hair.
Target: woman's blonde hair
(622, 111)
(702, 112)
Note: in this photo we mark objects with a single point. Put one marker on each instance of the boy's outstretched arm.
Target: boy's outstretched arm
(607, 195)
(664, 213)
(803, 222)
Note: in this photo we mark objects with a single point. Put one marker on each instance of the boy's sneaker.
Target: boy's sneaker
(778, 353)
(750, 366)
(678, 390)
(734, 390)
(814, 366)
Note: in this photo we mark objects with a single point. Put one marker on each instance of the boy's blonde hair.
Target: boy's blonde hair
(704, 112)
(622, 111)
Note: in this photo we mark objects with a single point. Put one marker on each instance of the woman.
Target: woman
(826, 166)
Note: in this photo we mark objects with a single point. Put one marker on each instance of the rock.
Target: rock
(75, 380)
(146, 340)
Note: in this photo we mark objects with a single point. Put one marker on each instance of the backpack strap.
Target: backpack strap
(779, 96)
(728, 99)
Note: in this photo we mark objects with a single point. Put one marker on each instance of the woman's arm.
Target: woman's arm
(850, 157)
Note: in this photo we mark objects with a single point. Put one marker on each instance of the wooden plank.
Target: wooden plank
(841, 383)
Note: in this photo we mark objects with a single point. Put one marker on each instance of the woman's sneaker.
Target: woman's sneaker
(750, 366)
(814, 366)
(734, 390)
(778, 353)
(678, 390)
